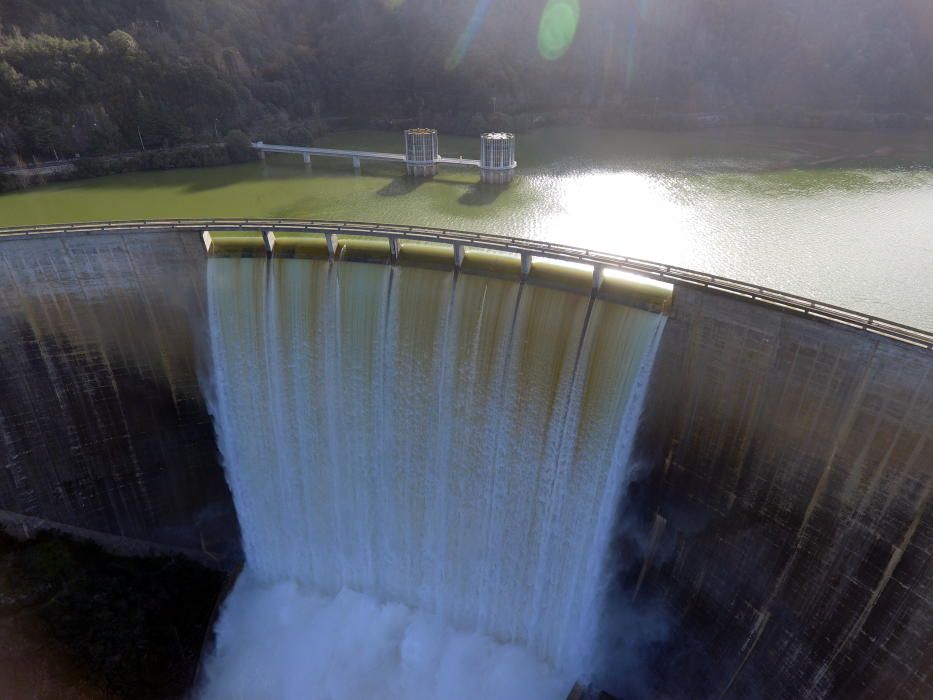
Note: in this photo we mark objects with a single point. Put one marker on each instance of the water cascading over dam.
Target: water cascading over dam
(452, 442)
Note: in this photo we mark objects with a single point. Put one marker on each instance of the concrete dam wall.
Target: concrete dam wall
(775, 524)
(783, 512)
(104, 425)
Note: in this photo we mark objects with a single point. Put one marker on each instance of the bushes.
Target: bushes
(195, 156)
(239, 149)
(8, 183)
(134, 624)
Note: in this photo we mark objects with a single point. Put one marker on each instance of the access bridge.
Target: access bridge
(421, 157)
(356, 156)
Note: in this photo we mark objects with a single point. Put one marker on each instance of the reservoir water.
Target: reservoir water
(843, 217)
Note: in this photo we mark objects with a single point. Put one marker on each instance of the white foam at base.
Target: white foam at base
(281, 641)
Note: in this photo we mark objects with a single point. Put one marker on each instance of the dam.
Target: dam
(756, 466)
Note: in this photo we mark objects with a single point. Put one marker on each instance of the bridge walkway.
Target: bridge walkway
(358, 155)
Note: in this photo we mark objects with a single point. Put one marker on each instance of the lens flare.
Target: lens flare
(468, 35)
(557, 28)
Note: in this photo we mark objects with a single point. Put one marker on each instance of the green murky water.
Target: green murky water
(846, 217)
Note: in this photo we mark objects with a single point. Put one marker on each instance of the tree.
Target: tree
(121, 43)
(239, 147)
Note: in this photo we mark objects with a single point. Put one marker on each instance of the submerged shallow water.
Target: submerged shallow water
(843, 217)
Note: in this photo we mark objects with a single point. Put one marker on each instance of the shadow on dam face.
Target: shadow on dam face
(105, 428)
(773, 540)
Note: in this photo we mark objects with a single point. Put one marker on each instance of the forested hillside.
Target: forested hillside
(100, 76)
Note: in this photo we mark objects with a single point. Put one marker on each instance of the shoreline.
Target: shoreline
(211, 154)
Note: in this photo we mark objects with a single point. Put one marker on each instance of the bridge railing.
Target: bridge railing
(366, 155)
(543, 249)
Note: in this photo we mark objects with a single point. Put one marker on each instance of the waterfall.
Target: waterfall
(452, 443)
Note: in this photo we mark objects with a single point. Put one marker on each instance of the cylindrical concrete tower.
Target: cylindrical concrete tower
(421, 152)
(497, 157)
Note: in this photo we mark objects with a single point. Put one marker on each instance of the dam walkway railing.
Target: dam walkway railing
(518, 246)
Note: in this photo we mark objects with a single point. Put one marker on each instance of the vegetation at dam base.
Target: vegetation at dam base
(105, 77)
(76, 619)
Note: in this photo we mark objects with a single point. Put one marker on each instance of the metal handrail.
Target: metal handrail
(508, 244)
